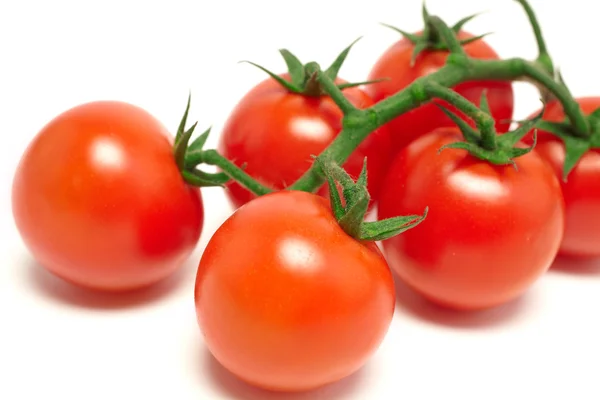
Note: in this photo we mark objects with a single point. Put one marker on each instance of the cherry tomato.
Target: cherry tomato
(491, 231)
(274, 133)
(394, 64)
(582, 189)
(99, 201)
(297, 306)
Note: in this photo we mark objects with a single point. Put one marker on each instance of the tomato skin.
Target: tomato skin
(491, 231)
(394, 66)
(98, 200)
(274, 133)
(297, 307)
(582, 189)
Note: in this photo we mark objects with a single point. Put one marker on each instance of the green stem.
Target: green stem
(415, 94)
(212, 157)
(485, 122)
(564, 96)
(331, 88)
(543, 58)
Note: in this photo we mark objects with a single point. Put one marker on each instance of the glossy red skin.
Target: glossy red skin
(582, 189)
(394, 64)
(286, 300)
(275, 132)
(490, 233)
(99, 201)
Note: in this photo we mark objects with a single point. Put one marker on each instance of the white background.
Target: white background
(60, 342)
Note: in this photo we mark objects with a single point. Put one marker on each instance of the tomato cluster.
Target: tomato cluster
(292, 291)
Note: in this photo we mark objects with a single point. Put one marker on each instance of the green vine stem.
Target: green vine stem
(357, 124)
(459, 68)
(212, 157)
(483, 120)
(188, 156)
(543, 58)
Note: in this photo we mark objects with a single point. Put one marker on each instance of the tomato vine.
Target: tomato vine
(459, 68)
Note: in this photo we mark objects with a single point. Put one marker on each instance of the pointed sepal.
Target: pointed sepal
(390, 227)
(184, 152)
(286, 84)
(457, 27)
(351, 210)
(470, 134)
(295, 67)
(407, 35)
(199, 178)
(431, 39)
(334, 68)
(594, 121)
(575, 146)
(503, 151)
(510, 139)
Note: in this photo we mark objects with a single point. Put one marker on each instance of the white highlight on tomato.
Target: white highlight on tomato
(108, 153)
(477, 185)
(299, 253)
(311, 128)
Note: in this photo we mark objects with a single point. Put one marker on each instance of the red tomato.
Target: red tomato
(582, 189)
(99, 201)
(287, 300)
(274, 132)
(394, 64)
(491, 231)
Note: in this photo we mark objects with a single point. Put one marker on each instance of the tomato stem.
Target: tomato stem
(212, 157)
(459, 68)
(329, 86)
(484, 121)
(499, 150)
(562, 93)
(415, 95)
(543, 58)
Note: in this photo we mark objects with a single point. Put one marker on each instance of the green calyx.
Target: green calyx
(430, 38)
(189, 156)
(183, 149)
(350, 213)
(303, 77)
(575, 144)
(484, 143)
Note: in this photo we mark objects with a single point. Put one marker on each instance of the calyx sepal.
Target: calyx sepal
(182, 149)
(499, 150)
(351, 207)
(575, 145)
(430, 38)
(303, 78)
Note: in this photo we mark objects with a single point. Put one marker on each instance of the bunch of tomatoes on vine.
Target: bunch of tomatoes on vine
(292, 291)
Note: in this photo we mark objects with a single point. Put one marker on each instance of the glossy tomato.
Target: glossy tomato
(582, 189)
(286, 299)
(274, 133)
(99, 201)
(491, 230)
(395, 65)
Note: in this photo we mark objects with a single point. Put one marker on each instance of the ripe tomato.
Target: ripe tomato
(298, 306)
(491, 230)
(100, 202)
(274, 133)
(394, 64)
(582, 189)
